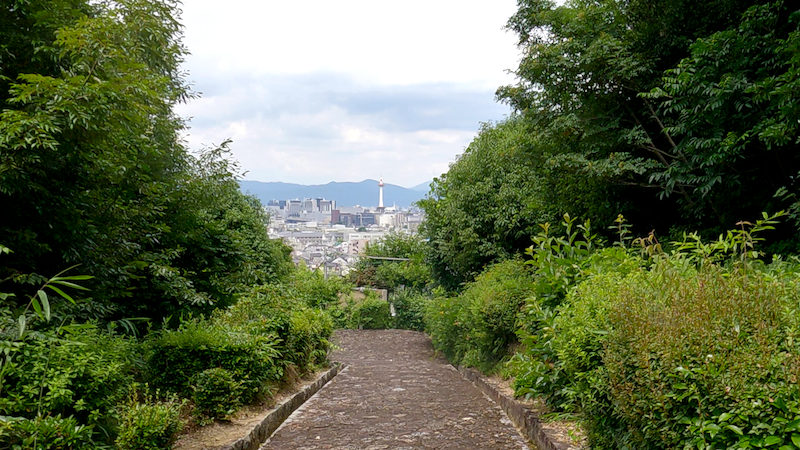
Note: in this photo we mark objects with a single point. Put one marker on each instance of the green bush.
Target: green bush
(150, 425)
(80, 372)
(308, 343)
(563, 346)
(409, 307)
(479, 327)
(370, 313)
(443, 325)
(563, 369)
(48, 432)
(301, 333)
(216, 394)
(705, 358)
(174, 357)
(311, 288)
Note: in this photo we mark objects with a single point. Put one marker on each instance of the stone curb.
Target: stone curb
(280, 413)
(527, 421)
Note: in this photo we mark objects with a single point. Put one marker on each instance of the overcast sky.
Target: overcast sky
(313, 91)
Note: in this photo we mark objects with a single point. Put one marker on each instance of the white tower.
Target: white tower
(380, 194)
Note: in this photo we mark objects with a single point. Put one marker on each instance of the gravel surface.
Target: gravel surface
(395, 394)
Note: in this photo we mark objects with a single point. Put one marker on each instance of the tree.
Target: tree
(587, 81)
(413, 273)
(488, 205)
(93, 171)
(731, 108)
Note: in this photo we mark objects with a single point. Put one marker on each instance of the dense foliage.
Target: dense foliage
(679, 115)
(93, 171)
(151, 424)
(487, 206)
(131, 271)
(478, 327)
(694, 348)
(408, 271)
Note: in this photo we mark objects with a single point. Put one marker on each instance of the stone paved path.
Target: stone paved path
(395, 395)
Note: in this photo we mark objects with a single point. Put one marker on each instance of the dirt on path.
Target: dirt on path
(395, 394)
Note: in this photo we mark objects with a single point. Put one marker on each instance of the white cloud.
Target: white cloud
(314, 91)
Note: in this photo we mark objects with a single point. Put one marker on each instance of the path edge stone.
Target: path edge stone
(526, 420)
(261, 432)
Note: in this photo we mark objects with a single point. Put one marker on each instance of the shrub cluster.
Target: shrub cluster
(706, 358)
(235, 356)
(370, 313)
(216, 394)
(72, 387)
(149, 425)
(409, 307)
(45, 432)
(77, 375)
(177, 356)
(696, 348)
(478, 327)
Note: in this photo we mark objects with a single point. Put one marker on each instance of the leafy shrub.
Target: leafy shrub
(301, 333)
(392, 275)
(559, 361)
(559, 262)
(563, 345)
(149, 424)
(176, 356)
(48, 432)
(309, 332)
(409, 308)
(261, 313)
(80, 372)
(216, 393)
(311, 288)
(370, 313)
(443, 325)
(706, 358)
(478, 327)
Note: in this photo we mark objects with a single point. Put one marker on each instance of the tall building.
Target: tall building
(380, 194)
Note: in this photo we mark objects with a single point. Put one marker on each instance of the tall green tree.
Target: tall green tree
(731, 110)
(487, 206)
(93, 171)
(599, 84)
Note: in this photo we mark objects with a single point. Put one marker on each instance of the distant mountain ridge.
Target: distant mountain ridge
(423, 187)
(364, 193)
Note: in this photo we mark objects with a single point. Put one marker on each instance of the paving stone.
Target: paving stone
(393, 394)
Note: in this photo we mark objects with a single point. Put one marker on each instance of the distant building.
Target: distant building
(294, 207)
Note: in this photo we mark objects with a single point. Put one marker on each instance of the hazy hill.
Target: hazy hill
(364, 193)
(423, 187)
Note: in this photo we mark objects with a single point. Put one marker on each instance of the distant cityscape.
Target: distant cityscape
(330, 237)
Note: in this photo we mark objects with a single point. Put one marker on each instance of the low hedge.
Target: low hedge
(175, 357)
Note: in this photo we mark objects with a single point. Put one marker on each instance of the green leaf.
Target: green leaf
(68, 284)
(37, 307)
(796, 439)
(45, 303)
(22, 322)
(61, 293)
(74, 278)
(773, 440)
(724, 417)
(735, 429)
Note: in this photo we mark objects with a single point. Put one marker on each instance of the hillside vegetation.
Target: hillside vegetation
(675, 325)
(138, 287)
